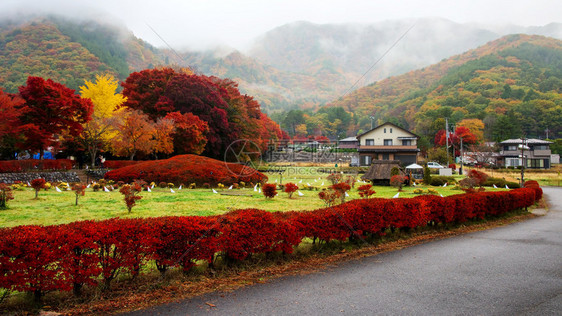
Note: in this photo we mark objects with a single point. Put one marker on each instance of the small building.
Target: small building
(379, 172)
(415, 170)
(537, 153)
(388, 142)
(349, 143)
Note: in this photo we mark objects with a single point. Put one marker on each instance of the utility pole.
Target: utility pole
(522, 160)
(460, 170)
(447, 138)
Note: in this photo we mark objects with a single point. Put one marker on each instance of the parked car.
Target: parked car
(434, 165)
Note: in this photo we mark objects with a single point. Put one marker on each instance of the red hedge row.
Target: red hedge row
(35, 164)
(65, 257)
(114, 164)
(187, 169)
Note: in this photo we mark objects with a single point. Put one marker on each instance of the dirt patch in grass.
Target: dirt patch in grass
(150, 289)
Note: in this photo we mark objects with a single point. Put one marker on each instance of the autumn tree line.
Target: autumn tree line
(159, 113)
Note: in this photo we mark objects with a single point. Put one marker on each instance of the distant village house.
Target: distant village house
(388, 142)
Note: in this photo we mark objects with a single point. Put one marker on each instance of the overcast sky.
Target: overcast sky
(206, 23)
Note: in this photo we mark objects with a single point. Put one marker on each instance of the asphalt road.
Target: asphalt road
(511, 270)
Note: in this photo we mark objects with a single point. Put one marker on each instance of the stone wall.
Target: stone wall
(96, 174)
(55, 176)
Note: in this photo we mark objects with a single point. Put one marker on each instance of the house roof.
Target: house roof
(414, 166)
(386, 123)
(349, 139)
(380, 169)
(529, 141)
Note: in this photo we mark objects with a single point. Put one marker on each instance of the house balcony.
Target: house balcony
(528, 153)
(542, 152)
(388, 149)
(510, 153)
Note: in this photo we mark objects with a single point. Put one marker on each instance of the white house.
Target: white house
(388, 142)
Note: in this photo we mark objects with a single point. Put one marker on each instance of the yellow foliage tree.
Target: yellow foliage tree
(301, 130)
(98, 132)
(475, 126)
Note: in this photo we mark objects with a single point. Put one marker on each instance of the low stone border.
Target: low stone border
(55, 176)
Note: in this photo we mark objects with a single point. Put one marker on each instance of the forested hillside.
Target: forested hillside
(513, 85)
(69, 52)
(296, 66)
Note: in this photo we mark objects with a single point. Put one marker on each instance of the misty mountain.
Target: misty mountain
(512, 86)
(347, 51)
(301, 64)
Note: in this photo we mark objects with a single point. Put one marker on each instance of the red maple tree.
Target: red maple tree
(50, 109)
(190, 133)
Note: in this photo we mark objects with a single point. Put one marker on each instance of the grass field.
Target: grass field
(545, 177)
(54, 207)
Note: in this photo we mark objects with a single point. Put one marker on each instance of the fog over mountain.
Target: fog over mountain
(304, 64)
(331, 58)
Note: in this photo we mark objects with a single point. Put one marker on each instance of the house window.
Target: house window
(367, 160)
(540, 147)
(388, 142)
(370, 142)
(385, 130)
(385, 156)
(406, 142)
(512, 162)
(391, 130)
(510, 147)
(535, 163)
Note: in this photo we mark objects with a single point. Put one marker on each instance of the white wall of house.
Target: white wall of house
(387, 132)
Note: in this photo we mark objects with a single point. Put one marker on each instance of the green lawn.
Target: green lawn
(54, 207)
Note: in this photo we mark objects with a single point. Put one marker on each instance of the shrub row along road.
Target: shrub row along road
(516, 269)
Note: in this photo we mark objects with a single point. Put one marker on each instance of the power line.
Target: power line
(163, 40)
(378, 60)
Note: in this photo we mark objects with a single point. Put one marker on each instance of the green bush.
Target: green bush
(426, 175)
(440, 180)
(513, 185)
(499, 182)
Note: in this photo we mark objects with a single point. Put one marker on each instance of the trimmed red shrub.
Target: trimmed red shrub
(80, 259)
(534, 185)
(478, 176)
(181, 241)
(187, 169)
(38, 259)
(79, 189)
(329, 197)
(29, 258)
(37, 185)
(249, 231)
(335, 178)
(114, 164)
(130, 192)
(341, 188)
(290, 188)
(122, 245)
(397, 181)
(5, 195)
(35, 164)
(365, 191)
(269, 190)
